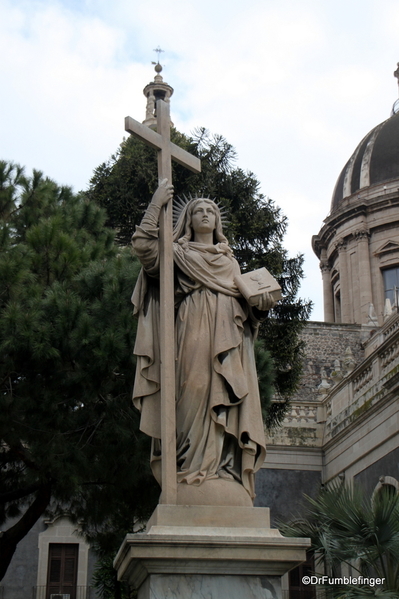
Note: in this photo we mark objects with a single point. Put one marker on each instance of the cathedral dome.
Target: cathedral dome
(374, 162)
(358, 244)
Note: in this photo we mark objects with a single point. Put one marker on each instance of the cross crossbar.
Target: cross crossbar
(153, 139)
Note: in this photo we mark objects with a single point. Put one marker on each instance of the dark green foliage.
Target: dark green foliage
(266, 377)
(106, 582)
(346, 527)
(67, 426)
(124, 186)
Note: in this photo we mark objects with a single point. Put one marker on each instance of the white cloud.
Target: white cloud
(66, 93)
(292, 85)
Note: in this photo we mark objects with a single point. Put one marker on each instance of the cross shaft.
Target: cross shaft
(167, 151)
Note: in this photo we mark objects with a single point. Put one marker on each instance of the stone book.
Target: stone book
(253, 284)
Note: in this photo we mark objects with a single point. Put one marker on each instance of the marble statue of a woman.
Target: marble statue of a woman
(220, 436)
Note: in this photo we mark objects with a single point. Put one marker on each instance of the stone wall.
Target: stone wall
(21, 575)
(283, 492)
(386, 466)
(325, 343)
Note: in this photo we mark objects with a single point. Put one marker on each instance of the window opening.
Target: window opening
(337, 307)
(391, 284)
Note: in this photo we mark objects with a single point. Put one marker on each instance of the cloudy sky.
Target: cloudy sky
(293, 84)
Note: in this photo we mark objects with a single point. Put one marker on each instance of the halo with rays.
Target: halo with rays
(180, 202)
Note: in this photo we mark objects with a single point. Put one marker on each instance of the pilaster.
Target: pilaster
(344, 282)
(366, 295)
(327, 291)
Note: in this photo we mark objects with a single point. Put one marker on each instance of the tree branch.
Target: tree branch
(11, 537)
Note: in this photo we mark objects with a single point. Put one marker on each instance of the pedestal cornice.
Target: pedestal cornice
(246, 547)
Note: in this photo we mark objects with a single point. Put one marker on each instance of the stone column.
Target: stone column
(327, 291)
(366, 294)
(344, 282)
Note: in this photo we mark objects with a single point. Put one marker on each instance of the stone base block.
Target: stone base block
(226, 550)
(217, 491)
(203, 517)
(207, 587)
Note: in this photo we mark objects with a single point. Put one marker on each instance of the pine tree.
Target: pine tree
(124, 186)
(68, 430)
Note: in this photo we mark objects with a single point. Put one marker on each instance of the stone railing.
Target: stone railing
(362, 381)
(302, 426)
(301, 413)
(391, 329)
(389, 357)
(368, 384)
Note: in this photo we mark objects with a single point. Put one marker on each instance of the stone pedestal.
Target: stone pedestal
(206, 552)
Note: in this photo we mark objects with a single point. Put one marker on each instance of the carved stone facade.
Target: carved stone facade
(344, 419)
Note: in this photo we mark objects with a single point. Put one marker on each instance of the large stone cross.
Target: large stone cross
(167, 151)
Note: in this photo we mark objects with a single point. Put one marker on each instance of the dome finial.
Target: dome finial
(395, 107)
(396, 73)
(158, 66)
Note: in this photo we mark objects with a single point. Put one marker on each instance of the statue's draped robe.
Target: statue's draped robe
(218, 416)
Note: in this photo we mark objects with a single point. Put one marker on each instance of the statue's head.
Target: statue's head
(184, 232)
